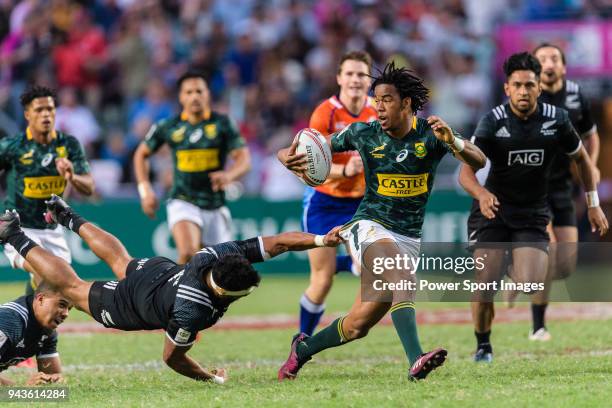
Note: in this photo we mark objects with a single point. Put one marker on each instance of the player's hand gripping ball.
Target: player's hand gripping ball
(317, 153)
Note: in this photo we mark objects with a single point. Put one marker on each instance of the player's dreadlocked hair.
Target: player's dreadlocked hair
(523, 61)
(408, 85)
(37, 91)
(235, 272)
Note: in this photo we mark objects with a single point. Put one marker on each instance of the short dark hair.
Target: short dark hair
(45, 287)
(406, 82)
(549, 45)
(235, 272)
(361, 56)
(189, 75)
(37, 91)
(522, 61)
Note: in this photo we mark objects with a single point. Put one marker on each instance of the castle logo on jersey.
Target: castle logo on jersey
(419, 150)
(533, 157)
(210, 131)
(43, 187)
(194, 160)
(402, 185)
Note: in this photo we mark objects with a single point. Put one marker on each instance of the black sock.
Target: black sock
(483, 341)
(537, 314)
(72, 220)
(21, 243)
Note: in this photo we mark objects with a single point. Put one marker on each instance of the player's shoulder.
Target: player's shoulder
(168, 123)
(13, 140)
(14, 316)
(572, 87)
(66, 138)
(551, 112)
(325, 109)
(498, 113)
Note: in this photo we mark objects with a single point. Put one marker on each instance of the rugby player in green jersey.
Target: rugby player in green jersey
(201, 141)
(39, 162)
(400, 153)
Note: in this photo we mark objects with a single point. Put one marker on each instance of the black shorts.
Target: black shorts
(520, 226)
(562, 208)
(131, 304)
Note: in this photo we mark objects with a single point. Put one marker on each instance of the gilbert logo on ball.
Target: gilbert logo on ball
(314, 145)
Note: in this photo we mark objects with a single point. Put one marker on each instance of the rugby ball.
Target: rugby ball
(314, 145)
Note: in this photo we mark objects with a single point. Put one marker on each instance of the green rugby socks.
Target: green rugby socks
(404, 320)
(331, 336)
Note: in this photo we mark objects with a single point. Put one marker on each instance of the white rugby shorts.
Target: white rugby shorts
(216, 225)
(52, 240)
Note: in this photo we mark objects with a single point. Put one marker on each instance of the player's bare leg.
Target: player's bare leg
(483, 310)
(322, 271)
(51, 268)
(188, 239)
(105, 245)
(562, 258)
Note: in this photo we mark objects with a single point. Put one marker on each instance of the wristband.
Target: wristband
(218, 380)
(142, 190)
(457, 145)
(318, 240)
(592, 199)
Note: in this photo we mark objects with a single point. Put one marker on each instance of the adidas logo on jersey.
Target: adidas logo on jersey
(546, 128)
(502, 132)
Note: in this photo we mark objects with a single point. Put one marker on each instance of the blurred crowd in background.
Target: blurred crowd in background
(268, 63)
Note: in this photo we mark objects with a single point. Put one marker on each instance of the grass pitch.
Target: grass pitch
(574, 369)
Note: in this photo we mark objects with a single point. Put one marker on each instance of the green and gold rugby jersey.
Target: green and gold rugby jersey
(399, 173)
(197, 150)
(32, 176)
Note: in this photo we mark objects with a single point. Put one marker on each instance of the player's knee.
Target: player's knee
(321, 284)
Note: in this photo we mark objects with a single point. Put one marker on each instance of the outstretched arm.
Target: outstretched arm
(300, 241)
(464, 150)
(177, 359)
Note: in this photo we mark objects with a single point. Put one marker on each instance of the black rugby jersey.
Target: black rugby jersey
(21, 336)
(160, 294)
(571, 99)
(521, 151)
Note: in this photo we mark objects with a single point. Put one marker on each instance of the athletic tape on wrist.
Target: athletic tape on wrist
(319, 240)
(592, 199)
(457, 145)
(142, 190)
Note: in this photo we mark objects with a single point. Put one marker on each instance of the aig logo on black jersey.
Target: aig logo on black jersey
(533, 157)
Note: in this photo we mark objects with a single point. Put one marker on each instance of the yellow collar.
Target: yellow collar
(414, 122)
(206, 115)
(29, 134)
